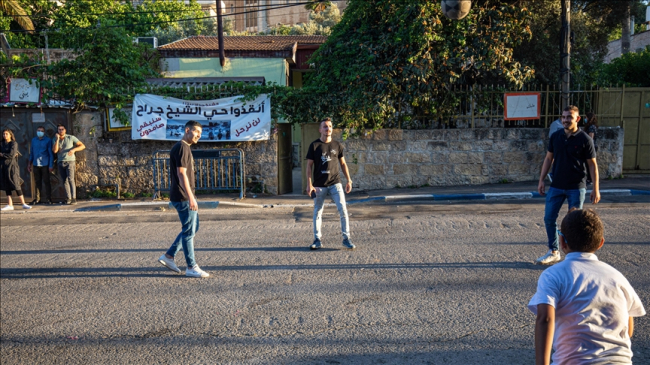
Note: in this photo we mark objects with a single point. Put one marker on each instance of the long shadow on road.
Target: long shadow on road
(49, 273)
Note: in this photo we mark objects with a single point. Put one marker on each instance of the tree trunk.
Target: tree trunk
(625, 37)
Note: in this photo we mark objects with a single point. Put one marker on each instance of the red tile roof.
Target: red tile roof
(243, 43)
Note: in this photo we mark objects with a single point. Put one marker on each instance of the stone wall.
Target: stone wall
(407, 158)
(109, 155)
(381, 160)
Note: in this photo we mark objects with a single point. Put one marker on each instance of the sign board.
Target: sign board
(114, 124)
(22, 91)
(223, 120)
(521, 106)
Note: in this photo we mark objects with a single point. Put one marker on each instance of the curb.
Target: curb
(415, 197)
(489, 196)
(118, 207)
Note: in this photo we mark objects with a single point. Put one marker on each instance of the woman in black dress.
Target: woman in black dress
(9, 171)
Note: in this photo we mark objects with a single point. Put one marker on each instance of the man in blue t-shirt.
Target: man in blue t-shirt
(324, 157)
(569, 151)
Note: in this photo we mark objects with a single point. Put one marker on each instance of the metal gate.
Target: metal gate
(629, 108)
(215, 170)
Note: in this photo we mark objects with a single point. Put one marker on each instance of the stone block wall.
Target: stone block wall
(387, 159)
(109, 155)
(381, 160)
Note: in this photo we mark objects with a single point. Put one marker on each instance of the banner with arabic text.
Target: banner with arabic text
(160, 118)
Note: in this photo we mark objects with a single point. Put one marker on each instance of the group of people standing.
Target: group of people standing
(42, 154)
(584, 307)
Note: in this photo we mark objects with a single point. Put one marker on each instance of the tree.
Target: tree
(391, 59)
(592, 23)
(104, 69)
(58, 19)
(13, 9)
(631, 69)
(35, 11)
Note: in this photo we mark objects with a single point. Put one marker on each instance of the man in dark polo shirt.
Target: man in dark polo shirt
(181, 194)
(569, 151)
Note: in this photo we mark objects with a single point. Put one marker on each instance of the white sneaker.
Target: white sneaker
(196, 272)
(8, 207)
(550, 258)
(169, 263)
(25, 206)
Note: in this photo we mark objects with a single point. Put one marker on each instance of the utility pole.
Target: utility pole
(222, 54)
(565, 55)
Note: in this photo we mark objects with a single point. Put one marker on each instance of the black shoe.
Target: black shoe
(49, 202)
(316, 245)
(74, 202)
(348, 244)
(34, 202)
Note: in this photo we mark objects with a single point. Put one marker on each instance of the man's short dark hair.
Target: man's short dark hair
(583, 230)
(324, 120)
(572, 108)
(40, 127)
(61, 125)
(193, 123)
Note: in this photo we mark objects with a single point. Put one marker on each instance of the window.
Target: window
(250, 14)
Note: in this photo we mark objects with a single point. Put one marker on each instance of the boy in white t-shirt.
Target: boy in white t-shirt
(584, 307)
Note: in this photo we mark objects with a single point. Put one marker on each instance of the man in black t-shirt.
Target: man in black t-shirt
(181, 195)
(569, 151)
(324, 157)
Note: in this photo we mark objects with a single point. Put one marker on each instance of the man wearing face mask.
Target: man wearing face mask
(41, 160)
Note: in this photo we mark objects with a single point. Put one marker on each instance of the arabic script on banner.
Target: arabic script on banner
(158, 118)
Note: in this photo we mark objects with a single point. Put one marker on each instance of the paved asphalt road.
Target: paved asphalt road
(428, 284)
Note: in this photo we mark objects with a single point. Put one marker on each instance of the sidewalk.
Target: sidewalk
(632, 185)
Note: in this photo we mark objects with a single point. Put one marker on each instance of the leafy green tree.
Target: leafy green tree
(38, 12)
(12, 10)
(592, 23)
(59, 19)
(632, 69)
(104, 69)
(391, 59)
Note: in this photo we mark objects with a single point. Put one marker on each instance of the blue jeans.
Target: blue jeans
(190, 221)
(337, 194)
(554, 200)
